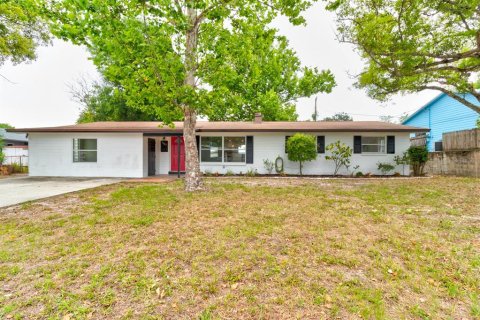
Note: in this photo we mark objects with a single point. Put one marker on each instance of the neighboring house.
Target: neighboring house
(13, 139)
(15, 147)
(140, 149)
(443, 114)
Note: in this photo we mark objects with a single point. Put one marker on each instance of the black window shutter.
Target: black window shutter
(198, 144)
(286, 140)
(357, 144)
(320, 144)
(249, 149)
(391, 144)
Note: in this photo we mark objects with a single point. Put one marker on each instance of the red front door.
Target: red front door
(174, 155)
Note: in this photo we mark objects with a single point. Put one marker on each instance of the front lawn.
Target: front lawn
(247, 248)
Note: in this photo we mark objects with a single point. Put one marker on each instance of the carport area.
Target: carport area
(22, 189)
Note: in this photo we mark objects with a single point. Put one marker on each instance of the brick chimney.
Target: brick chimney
(258, 118)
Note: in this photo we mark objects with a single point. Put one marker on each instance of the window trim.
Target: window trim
(370, 144)
(223, 162)
(87, 150)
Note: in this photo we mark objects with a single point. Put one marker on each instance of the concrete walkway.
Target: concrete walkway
(22, 189)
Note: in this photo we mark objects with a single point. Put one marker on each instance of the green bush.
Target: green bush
(301, 148)
(17, 168)
(229, 173)
(2, 155)
(340, 154)
(403, 161)
(251, 173)
(268, 165)
(418, 157)
(385, 167)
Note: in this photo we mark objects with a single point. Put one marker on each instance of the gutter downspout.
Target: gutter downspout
(430, 126)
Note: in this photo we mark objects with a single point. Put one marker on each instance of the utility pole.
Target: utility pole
(315, 115)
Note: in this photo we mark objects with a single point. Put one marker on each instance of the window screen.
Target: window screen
(84, 150)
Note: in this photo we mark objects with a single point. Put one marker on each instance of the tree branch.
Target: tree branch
(455, 96)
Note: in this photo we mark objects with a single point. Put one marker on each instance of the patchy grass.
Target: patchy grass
(247, 248)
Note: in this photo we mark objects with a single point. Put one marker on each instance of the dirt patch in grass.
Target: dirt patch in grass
(247, 248)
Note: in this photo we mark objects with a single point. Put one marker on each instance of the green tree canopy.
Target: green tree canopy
(213, 58)
(103, 101)
(340, 116)
(6, 126)
(21, 30)
(409, 46)
(301, 148)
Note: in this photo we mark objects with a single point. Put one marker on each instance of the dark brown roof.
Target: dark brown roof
(204, 126)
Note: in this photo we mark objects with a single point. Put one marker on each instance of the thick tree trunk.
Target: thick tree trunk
(193, 180)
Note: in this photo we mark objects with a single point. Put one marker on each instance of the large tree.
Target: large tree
(6, 126)
(412, 45)
(21, 30)
(340, 116)
(203, 57)
(105, 101)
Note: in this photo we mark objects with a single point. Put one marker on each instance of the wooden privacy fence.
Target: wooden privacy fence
(460, 155)
(461, 140)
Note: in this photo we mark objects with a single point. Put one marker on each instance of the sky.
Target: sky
(37, 93)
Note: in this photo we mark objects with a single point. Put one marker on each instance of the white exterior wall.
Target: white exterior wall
(126, 155)
(271, 145)
(118, 155)
(162, 159)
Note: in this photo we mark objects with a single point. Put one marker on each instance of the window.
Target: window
(373, 145)
(211, 149)
(84, 150)
(234, 149)
(164, 146)
(223, 149)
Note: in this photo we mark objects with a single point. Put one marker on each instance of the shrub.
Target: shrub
(2, 155)
(359, 174)
(385, 167)
(268, 165)
(340, 154)
(402, 161)
(355, 168)
(301, 148)
(251, 173)
(418, 157)
(229, 173)
(17, 168)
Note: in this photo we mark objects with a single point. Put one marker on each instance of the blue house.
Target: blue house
(443, 114)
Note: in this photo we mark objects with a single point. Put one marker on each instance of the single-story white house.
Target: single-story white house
(141, 149)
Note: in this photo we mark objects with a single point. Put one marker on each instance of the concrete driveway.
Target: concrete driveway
(21, 189)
